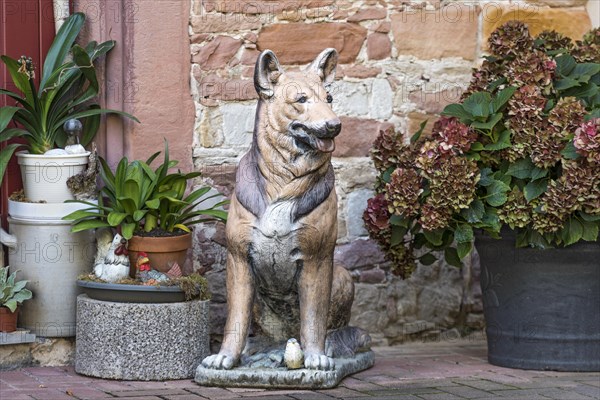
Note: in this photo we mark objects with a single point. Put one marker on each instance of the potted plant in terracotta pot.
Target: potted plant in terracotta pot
(151, 209)
(517, 158)
(12, 294)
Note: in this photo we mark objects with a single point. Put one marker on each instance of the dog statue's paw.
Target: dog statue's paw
(319, 361)
(218, 361)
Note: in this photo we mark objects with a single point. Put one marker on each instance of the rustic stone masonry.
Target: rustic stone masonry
(401, 62)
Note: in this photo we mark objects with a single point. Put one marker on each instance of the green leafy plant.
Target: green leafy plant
(12, 293)
(67, 89)
(138, 200)
(522, 150)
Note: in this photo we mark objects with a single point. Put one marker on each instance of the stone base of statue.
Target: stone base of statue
(282, 378)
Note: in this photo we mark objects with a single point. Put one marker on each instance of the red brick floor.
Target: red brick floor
(445, 370)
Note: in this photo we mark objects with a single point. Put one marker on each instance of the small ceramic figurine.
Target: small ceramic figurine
(144, 271)
(115, 265)
(293, 356)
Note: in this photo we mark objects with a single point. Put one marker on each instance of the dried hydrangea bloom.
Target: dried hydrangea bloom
(390, 151)
(490, 71)
(533, 68)
(553, 41)
(587, 140)
(510, 40)
(516, 212)
(546, 144)
(385, 149)
(576, 189)
(403, 261)
(525, 119)
(546, 222)
(428, 157)
(433, 217)
(452, 185)
(567, 114)
(454, 136)
(403, 191)
(588, 50)
(376, 216)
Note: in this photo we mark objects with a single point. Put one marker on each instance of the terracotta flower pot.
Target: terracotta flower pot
(161, 250)
(8, 320)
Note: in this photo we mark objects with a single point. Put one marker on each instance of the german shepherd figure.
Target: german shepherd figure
(282, 224)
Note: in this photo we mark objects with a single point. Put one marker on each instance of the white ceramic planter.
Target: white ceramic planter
(45, 177)
(51, 258)
(44, 211)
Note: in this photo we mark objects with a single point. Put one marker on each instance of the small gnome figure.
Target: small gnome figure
(115, 265)
(293, 356)
(145, 273)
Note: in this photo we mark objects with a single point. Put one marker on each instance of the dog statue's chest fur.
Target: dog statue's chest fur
(274, 253)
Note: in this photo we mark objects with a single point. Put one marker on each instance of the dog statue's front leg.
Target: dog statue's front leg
(240, 292)
(315, 293)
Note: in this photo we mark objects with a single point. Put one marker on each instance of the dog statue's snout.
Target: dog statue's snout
(333, 127)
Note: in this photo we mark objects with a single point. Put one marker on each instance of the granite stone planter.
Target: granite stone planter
(138, 341)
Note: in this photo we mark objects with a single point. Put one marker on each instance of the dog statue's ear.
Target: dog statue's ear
(324, 65)
(266, 73)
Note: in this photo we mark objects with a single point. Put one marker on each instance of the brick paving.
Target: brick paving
(449, 370)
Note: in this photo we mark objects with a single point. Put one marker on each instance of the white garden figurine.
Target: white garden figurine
(115, 265)
(293, 356)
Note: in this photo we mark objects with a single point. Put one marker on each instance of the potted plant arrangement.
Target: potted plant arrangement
(140, 202)
(12, 293)
(66, 92)
(151, 210)
(517, 158)
(48, 254)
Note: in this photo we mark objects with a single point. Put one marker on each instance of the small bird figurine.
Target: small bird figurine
(115, 265)
(145, 273)
(293, 356)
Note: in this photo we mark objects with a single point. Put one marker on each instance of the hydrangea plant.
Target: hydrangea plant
(521, 149)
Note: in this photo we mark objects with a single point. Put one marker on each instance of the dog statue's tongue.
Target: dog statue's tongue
(325, 145)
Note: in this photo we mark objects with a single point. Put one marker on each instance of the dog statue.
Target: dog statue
(282, 225)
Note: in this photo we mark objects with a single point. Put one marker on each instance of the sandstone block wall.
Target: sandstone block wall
(401, 62)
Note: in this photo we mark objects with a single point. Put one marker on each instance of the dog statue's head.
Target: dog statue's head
(299, 102)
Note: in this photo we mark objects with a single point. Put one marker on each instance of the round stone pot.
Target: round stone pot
(541, 307)
(137, 341)
(8, 320)
(161, 250)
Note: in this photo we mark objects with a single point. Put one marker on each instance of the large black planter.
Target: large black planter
(542, 307)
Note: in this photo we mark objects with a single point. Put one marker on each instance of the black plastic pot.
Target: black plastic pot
(542, 307)
(121, 293)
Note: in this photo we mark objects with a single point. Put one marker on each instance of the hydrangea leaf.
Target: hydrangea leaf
(572, 231)
(427, 259)
(451, 257)
(496, 193)
(570, 152)
(502, 98)
(475, 211)
(521, 169)
(534, 189)
(463, 233)
(434, 237)
(458, 111)
(590, 231)
(565, 64)
(488, 125)
(463, 249)
(503, 141)
(478, 105)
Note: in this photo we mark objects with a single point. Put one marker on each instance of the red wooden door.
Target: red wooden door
(26, 28)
